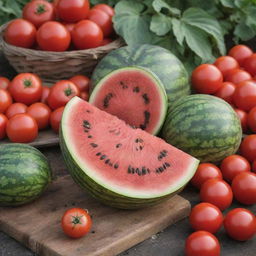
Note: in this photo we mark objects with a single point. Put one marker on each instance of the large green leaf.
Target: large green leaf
(178, 30)
(160, 24)
(158, 5)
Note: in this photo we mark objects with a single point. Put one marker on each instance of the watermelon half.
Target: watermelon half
(134, 95)
(121, 166)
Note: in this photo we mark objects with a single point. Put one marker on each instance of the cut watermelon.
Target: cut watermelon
(119, 165)
(134, 95)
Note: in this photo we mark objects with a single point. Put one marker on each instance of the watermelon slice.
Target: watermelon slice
(121, 166)
(135, 95)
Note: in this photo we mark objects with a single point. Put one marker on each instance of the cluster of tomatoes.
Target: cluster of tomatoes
(61, 25)
(26, 106)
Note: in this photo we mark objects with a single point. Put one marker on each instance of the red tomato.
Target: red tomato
(236, 76)
(87, 34)
(45, 94)
(217, 192)
(106, 8)
(254, 166)
(4, 83)
(226, 64)
(84, 96)
(5, 100)
(243, 118)
(103, 20)
(250, 64)
(248, 147)
(16, 108)
(234, 165)
(205, 171)
(26, 88)
(251, 120)
(206, 78)
(73, 11)
(53, 36)
(20, 33)
(22, 128)
(69, 26)
(226, 92)
(240, 224)
(55, 119)
(106, 41)
(38, 12)
(82, 82)
(3, 123)
(207, 217)
(202, 243)
(244, 188)
(240, 53)
(61, 93)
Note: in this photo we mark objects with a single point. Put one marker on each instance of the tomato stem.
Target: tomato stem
(41, 8)
(76, 220)
(27, 82)
(68, 91)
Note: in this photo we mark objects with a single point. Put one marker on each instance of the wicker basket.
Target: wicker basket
(54, 66)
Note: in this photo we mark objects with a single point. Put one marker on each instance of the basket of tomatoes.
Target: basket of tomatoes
(59, 40)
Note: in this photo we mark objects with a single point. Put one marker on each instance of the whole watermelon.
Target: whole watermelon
(24, 174)
(204, 126)
(160, 61)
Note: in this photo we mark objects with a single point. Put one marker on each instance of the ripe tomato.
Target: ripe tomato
(22, 128)
(240, 53)
(244, 188)
(16, 108)
(243, 118)
(73, 11)
(240, 224)
(55, 119)
(106, 8)
(3, 123)
(234, 165)
(205, 171)
(202, 243)
(4, 83)
(26, 88)
(84, 96)
(217, 192)
(38, 12)
(103, 20)
(76, 222)
(5, 100)
(206, 78)
(236, 76)
(226, 64)
(87, 34)
(61, 93)
(53, 36)
(20, 33)
(251, 120)
(248, 147)
(226, 92)
(82, 82)
(41, 113)
(45, 94)
(250, 64)
(254, 166)
(106, 41)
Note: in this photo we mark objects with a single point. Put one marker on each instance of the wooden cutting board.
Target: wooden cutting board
(37, 225)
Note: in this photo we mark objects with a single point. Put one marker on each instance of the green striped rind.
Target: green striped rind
(24, 174)
(160, 61)
(204, 126)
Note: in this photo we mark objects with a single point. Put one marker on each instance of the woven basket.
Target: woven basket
(54, 66)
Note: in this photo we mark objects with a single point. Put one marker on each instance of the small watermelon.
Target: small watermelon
(24, 174)
(204, 126)
(166, 66)
(119, 165)
(134, 95)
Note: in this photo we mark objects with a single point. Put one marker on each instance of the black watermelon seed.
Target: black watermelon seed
(143, 126)
(147, 116)
(107, 99)
(159, 157)
(139, 173)
(141, 147)
(116, 166)
(103, 157)
(118, 145)
(86, 124)
(145, 98)
(148, 170)
(165, 151)
(98, 154)
(88, 111)
(129, 169)
(133, 170)
(144, 171)
(167, 164)
(107, 161)
(137, 170)
(90, 136)
(164, 166)
(161, 169)
(110, 164)
(86, 130)
(157, 171)
(94, 145)
(136, 89)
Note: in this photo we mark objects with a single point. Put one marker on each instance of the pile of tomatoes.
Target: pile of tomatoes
(26, 106)
(61, 25)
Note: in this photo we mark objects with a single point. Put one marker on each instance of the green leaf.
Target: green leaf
(178, 31)
(158, 5)
(244, 32)
(228, 3)
(160, 24)
(130, 7)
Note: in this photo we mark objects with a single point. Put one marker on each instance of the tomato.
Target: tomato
(251, 120)
(4, 83)
(16, 108)
(55, 119)
(45, 94)
(82, 82)
(76, 222)
(204, 172)
(26, 88)
(248, 147)
(244, 188)
(22, 128)
(69, 26)
(106, 41)
(240, 53)
(254, 166)
(38, 12)
(243, 118)
(250, 64)
(103, 20)
(202, 243)
(245, 95)
(226, 64)
(87, 34)
(234, 165)
(206, 78)
(84, 96)
(226, 91)
(106, 8)
(240, 224)
(5, 100)
(3, 123)
(20, 33)
(236, 76)
(73, 10)
(61, 93)
(217, 192)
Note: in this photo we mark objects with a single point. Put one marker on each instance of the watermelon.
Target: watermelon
(134, 95)
(24, 174)
(204, 126)
(121, 166)
(160, 61)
